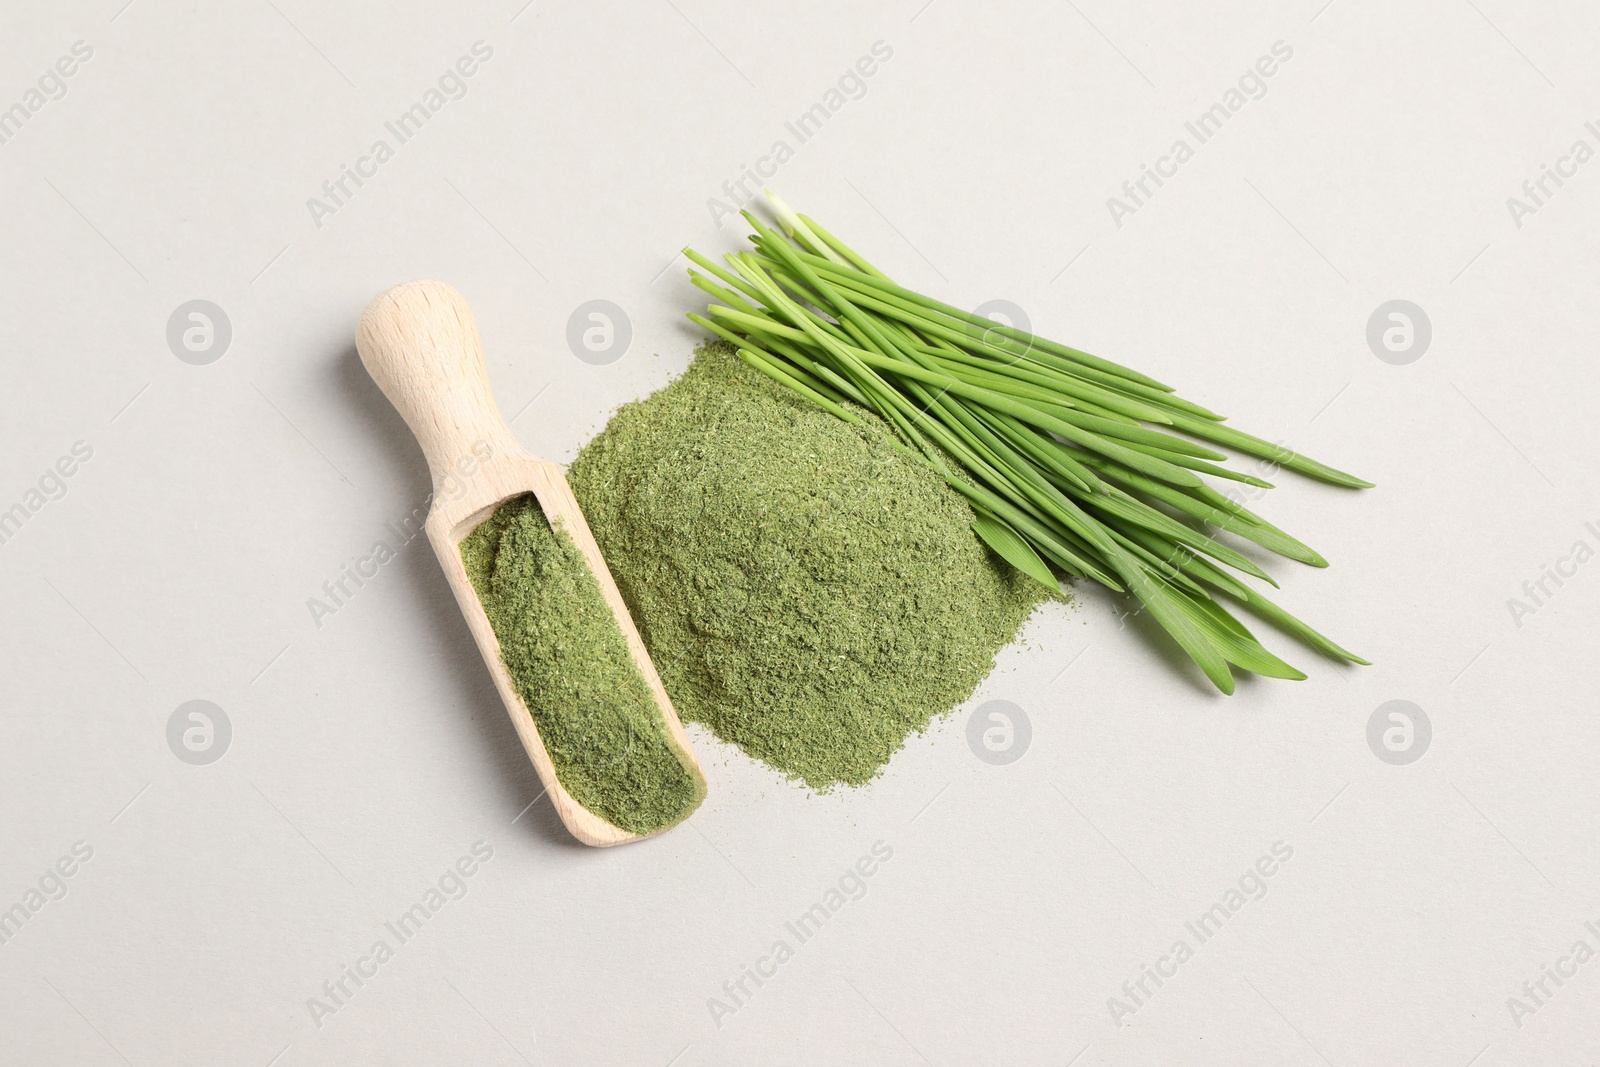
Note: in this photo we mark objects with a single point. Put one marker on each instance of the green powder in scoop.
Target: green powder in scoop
(571, 666)
(806, 590)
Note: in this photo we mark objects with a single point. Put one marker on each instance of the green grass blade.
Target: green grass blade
(1255, 446)
(1277, 616)
(1010, 546)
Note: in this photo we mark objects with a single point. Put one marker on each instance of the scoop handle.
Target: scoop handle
(420, 343)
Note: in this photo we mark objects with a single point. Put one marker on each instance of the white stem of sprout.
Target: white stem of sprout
(793, 224)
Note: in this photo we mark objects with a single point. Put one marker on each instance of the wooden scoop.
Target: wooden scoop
(420, 344)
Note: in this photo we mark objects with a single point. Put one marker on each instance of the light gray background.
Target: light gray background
(368, 754)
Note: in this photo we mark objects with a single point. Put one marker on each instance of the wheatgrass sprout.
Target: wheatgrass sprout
(1074, 465)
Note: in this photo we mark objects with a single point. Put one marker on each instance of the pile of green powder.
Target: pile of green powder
(806, 590)
(571, 666)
